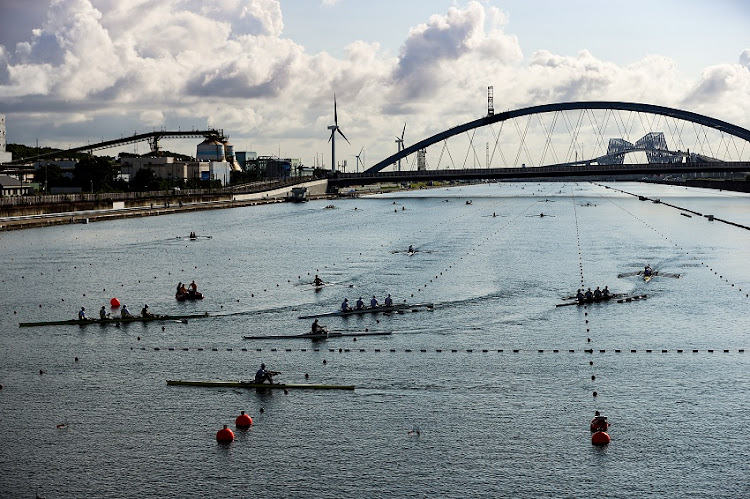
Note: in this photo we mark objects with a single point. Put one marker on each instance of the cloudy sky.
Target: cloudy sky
(74, 72)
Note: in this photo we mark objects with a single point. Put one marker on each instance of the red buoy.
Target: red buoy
(243, 420)
(225, 435)
(600, 438)
(114, 302)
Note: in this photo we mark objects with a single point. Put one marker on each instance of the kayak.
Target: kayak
(399, 308)
(618, 298)
(114, 320)
(318, 336)
(188, 296)
(251, 384)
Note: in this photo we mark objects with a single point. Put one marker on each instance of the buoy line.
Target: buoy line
(601, 437)
(588, 351)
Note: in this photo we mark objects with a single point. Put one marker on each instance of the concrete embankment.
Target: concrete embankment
(83, 212)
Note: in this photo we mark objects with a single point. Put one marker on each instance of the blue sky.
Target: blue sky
(78, 71)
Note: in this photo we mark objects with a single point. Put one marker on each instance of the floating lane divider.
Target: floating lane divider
(589, 351)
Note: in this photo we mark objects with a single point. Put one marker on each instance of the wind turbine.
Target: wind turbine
(400, 143)
(332, 139)
(360, 161)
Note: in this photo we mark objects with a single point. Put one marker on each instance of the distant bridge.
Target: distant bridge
(534, 172)
(710, 145)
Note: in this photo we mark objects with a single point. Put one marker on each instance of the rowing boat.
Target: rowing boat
(317, 336)
(617, 298)
(399, 308)
(250, 384)
(114, 320)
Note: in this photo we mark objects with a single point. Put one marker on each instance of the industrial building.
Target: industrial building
(5, 156)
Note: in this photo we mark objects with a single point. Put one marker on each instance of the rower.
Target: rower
(145, 312)
(82, 314)
(103, 313)
(263, 375)
(317, 281)
(647, 271)
(411, 249)
(360, 304)
(125, 313)
(597, 294)
(374, 302)
(589, 295)
(193, 288)
(179, 287)
(606, 294)
(579, 295)
(388, 301)
(345, 305)
(317, 328)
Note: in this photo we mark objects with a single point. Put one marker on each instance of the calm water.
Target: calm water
(493, 424)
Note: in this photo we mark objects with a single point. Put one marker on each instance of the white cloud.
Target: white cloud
(183, 63)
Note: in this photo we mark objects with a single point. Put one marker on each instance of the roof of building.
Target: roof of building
(8, 181)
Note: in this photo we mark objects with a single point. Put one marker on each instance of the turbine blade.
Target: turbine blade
(335, 114)
(342, 134)
(402, 132)
(360, 151)
(332, 132)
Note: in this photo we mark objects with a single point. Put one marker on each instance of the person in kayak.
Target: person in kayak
(125, 313)
(411, 249)
(317, 281)
(388, 301)
(145, 312)
(345, 305)
(317, 328)
(360, 304)
(374, 302)
(263, 375)
(648, 271)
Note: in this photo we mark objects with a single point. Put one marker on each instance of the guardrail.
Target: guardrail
(260, 186)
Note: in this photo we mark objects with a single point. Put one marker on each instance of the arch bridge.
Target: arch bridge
(591, 138)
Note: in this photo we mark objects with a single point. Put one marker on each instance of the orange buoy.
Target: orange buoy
(243, 420)
(114, 302)
(225, 435)
(600, 438)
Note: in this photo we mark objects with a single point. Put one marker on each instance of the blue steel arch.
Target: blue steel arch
(714, 123)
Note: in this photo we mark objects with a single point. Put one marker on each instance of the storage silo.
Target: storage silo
(211, 149)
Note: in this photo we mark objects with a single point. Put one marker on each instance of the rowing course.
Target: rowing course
(500, 278)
